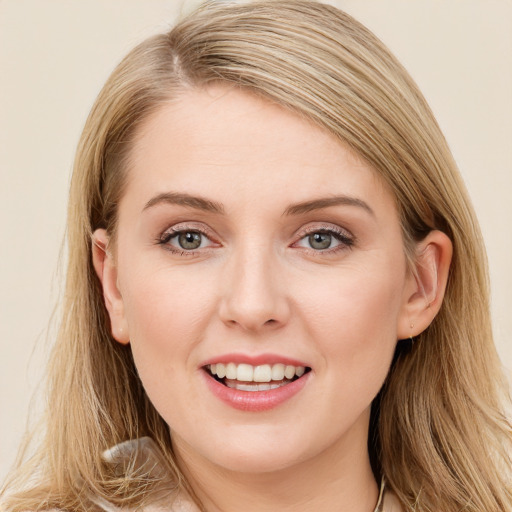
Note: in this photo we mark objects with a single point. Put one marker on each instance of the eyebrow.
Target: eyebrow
(201, 203)
(183, 199)
(327, 202)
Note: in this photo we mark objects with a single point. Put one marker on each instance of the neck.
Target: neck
(339, 479)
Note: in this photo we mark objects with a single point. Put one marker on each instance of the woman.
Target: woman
(262, 205)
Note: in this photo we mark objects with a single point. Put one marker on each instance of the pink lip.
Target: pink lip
(253, 360)
(255, 401)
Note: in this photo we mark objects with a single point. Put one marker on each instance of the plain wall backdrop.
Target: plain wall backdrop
(56, 54)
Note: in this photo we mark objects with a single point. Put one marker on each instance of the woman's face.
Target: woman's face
(254, 243)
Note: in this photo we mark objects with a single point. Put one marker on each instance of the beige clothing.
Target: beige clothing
(150, 461)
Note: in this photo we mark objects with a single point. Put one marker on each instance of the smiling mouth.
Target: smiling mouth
(245, 377)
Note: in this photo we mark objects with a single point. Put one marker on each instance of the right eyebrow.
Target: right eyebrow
(327, 202)
(183, 199)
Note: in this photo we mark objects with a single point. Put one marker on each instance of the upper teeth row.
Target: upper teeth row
(262, 373)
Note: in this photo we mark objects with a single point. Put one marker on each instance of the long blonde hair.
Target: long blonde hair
(438, 432)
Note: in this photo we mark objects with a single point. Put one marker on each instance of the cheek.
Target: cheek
(355, 319)
(167, 313)
(167, 317)
(361, 299)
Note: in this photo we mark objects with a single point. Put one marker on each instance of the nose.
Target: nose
(254, 294)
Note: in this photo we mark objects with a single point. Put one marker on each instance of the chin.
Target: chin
(259, 461)
(255, 449)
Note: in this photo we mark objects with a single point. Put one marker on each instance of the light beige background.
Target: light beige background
(54, 57)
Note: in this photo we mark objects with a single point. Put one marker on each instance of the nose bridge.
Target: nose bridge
(254, 297)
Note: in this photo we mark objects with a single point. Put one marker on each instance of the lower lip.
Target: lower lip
(255, 401)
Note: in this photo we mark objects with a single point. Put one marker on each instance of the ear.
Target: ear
(105, 268)
(426, 284)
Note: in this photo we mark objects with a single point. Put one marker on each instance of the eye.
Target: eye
(325, 239)
(184, 240)
(189, 240)
(320, 241)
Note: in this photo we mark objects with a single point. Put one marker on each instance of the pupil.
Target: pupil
(189, 240)
(320, 241)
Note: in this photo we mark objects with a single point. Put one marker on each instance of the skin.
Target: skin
(256, 286)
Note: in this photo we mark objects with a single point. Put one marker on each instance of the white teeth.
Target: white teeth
(246, 387)
(289, 372)
(221, 370)
(244, 372)
(254, 387)
(278, 372)
(264, 373)
(231, 371)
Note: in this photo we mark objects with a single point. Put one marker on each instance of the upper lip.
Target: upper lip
(254, 360)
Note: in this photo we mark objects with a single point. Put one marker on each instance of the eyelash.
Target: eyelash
(175, 231)
(346, 241)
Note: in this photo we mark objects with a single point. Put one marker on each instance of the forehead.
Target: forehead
(221, 140)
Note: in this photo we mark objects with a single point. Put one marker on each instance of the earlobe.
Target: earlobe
(424, 291)
(106, 270)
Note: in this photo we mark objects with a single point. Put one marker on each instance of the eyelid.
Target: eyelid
(189, 226)
(343, 235)
(345, 238)
(172, 231)
(324, 227)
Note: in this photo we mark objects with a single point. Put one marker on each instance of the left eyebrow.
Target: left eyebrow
(182, 199)
(327, 202)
